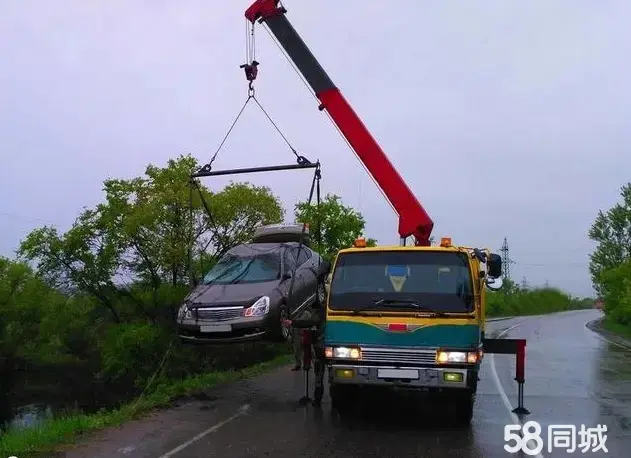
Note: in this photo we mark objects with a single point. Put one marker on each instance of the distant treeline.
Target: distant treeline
(513, 300)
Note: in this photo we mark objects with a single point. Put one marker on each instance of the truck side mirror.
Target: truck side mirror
(494, 265)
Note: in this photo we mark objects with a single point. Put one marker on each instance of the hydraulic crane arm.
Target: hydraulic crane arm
(413, 219)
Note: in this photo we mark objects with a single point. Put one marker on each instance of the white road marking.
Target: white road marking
(605, 339)
(127, 450)
(242, 411)
(503, 395)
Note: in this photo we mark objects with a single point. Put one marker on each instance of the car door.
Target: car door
(305, 278)
(293, 292)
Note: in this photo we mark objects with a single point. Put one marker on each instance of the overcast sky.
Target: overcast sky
(507, 119)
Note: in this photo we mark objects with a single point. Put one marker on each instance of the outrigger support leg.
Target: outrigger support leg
(306, 361)
(515, 347)
(520, 377)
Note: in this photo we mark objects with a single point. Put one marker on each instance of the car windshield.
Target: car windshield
(244, 269)
(402, 280)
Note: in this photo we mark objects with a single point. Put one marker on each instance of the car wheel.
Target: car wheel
(321, 293)
(280, 332)
(285, 331)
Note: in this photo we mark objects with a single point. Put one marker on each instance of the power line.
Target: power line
(24, 218)
(553, 264)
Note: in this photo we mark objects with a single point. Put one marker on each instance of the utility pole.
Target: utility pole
(506, 261)
(524, 283)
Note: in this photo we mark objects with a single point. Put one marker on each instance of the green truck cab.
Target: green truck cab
(408, 317)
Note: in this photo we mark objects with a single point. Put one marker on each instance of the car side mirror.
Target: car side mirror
(494, 265)
(288, 275)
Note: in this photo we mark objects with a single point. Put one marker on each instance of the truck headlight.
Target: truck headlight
(343, 352)
(259, 308)
(446, 357)
(184, 312)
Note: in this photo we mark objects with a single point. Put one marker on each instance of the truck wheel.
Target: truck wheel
(463, 408)
(342, 396)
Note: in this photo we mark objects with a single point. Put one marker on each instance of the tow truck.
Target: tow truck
(406, 316)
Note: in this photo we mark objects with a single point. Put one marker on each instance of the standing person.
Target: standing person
(313, 320)
(297, 346)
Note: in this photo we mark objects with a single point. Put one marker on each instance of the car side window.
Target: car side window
(289, 261)
(302, 254)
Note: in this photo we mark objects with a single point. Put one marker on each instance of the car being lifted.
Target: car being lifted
(253, 288)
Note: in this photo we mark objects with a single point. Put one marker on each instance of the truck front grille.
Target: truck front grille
(219, 313)
(391, 355)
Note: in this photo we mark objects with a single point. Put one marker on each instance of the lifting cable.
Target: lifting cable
(251, 70)
(315, 185)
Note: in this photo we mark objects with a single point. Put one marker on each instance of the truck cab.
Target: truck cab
(408, 317)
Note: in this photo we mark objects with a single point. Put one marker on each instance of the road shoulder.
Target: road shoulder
(168, 428)
(597, 326)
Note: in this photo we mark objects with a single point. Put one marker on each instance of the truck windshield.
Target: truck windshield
(402, 281)
(244, 269)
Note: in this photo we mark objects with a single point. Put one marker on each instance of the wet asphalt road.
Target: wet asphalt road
(573, 377)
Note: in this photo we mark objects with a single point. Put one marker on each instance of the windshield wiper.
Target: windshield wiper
(378, 302)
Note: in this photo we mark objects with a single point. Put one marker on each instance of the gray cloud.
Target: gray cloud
(505, 118)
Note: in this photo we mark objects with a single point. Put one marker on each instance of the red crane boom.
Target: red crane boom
(413, 219)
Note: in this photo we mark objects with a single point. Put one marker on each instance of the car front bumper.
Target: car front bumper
(407, 377)
(240, 329)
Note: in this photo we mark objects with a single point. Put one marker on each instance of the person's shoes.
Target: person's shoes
(317, 402)
(296, 368)
(306, 368)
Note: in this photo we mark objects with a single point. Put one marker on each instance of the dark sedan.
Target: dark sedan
(249, 292)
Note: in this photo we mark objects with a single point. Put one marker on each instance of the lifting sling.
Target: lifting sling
(251, 70)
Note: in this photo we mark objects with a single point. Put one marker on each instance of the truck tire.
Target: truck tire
(463, 408)
(342, 396)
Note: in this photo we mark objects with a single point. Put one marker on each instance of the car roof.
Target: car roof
(249, 249)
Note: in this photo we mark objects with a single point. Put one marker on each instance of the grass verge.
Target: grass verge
(616, 328)
(63, 430)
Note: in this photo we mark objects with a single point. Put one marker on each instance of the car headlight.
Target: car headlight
(446, 357)
(259, 308)
(343, 352)
(184, 312)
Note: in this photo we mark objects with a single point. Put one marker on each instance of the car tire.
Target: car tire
(321, 294)
(280, 332)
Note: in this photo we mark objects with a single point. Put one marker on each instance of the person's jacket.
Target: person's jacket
(312, 318)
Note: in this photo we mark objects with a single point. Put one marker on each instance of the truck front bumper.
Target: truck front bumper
(408, 377)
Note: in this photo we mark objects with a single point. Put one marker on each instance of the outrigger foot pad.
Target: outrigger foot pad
(521, 410)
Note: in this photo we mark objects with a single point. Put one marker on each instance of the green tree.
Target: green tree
(615, 283)
(612, 233)
(340, 225)
(28, 308)
(130, 253)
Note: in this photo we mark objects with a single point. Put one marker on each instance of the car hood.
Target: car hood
(239, 294)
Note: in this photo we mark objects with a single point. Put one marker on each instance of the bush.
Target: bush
(616, 285)
(531, 302)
